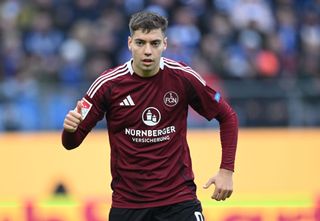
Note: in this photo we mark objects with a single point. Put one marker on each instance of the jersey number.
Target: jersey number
(199, 216)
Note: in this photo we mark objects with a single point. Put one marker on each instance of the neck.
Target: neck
(144, 73)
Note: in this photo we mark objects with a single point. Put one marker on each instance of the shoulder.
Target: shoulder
(182, 70)
(108, 78)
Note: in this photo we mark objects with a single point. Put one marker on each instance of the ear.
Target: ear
(129, 42)
(165, 43)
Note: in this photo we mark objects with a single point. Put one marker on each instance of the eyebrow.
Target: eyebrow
(156, 40)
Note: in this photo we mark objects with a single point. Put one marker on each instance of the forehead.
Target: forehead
(154, 34)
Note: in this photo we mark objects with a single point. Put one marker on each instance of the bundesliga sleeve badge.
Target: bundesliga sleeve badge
(86, 106)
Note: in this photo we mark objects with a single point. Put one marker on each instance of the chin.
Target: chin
(147, 68)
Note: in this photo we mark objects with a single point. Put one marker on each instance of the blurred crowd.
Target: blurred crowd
(51, 50)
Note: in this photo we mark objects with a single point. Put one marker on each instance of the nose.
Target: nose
(147, 50)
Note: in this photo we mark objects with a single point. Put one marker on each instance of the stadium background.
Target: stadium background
(262, 55)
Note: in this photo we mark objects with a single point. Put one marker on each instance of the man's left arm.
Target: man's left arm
(223, 180)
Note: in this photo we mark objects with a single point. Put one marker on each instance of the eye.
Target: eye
(155, 43)
(139, 43)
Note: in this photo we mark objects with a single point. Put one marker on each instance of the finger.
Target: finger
(229, 193)
(208, 184)
(69, 128)
(74, 116)
(72, 123)
(216, 194)
(223, 195)
(79, 107)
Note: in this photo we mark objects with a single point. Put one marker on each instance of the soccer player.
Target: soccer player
(145, 102)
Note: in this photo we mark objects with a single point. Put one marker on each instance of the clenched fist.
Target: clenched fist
(73, 118)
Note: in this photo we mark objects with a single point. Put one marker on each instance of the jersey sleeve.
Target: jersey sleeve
(93, 110)
(202, 98)
(209, 103)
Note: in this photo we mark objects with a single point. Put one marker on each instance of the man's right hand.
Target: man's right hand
(73, 119)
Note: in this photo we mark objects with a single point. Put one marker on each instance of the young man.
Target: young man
(145, 102)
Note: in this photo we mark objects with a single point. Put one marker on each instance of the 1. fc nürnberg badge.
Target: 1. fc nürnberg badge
(86, 106)
(171, 98)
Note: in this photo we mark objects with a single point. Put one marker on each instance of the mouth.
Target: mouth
(147, 61)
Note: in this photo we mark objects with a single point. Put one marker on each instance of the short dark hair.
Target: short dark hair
(147, 21)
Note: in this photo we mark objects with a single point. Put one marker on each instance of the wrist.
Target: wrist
(226, 171)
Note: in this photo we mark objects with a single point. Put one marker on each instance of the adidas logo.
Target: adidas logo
(127, 101)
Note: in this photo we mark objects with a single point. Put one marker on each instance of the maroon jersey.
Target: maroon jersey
(147, 125)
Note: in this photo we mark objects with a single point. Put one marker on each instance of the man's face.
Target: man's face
(146, 51)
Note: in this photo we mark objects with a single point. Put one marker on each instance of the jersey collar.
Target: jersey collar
(129, 65)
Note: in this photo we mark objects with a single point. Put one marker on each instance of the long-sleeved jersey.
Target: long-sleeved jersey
(147, 125)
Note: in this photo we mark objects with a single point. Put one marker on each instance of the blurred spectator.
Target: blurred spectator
(211, 51)
(184, 35)
(73, 54)
(245, 12)
(267, 64)
(43, 39)
(87, 9)
(310, 39)
(287, 37)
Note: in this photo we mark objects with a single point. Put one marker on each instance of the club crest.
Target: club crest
(171, 99)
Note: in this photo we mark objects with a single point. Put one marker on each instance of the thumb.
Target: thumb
(208, 184)
(79, 107)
